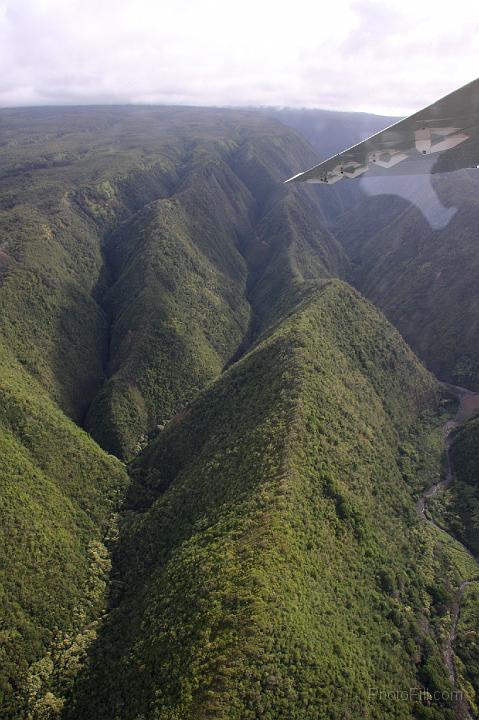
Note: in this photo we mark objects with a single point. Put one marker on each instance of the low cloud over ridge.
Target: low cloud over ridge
(346, 55)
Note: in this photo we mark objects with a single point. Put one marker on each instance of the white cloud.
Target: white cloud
(390, 58)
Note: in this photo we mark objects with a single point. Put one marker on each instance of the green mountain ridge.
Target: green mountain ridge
(77, 189)
(251, 516)
(261, 556)
(199, 186)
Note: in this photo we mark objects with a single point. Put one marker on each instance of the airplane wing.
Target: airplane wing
(445, 135)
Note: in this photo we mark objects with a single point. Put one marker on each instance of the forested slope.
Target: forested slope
(412, 243)
(463, 516)
(162, 289)
(127, 242)
(271, 551)
(423, 277)
(58, 493)
(460, 507)
(130, 239)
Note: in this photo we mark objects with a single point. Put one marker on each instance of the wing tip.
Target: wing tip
(295, 177)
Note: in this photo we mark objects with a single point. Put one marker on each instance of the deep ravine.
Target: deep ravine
(468, 406)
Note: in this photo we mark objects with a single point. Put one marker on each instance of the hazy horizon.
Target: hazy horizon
(356, 56)
(246, 108)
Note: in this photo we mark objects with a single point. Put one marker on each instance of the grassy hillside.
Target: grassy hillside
(272, 559)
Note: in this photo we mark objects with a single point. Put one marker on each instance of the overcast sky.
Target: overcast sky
(379, 56)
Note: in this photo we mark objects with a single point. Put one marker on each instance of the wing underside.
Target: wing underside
(441, 138)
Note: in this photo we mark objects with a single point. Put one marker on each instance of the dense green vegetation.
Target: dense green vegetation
(58, 490)
(457, 510)
(272, 558)
(162, 289)
(467, 643)
(133, 241)
(127, 242)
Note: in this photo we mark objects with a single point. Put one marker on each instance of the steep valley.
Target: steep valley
(212, 444)
(411, 242)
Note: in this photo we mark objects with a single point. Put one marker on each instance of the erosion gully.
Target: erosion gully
(468, 406)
